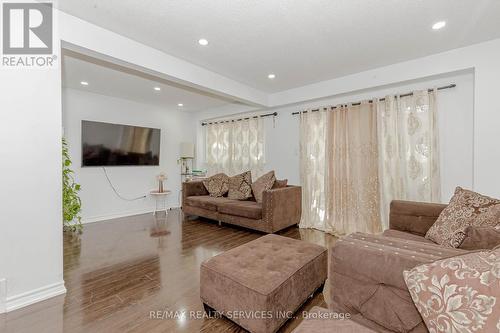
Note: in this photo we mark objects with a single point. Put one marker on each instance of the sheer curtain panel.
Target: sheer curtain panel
(236, 146)
(408, 149)
(312, 169)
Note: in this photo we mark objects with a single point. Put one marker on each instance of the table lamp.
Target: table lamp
(186, 152)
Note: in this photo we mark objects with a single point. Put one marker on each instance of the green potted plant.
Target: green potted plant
(72, 205)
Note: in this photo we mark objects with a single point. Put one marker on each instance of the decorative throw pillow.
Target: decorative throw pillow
(217, 185)
(458, 294)
(240, 186)
(466, 208)
(280, 183)
(263, 183)
(481, 238)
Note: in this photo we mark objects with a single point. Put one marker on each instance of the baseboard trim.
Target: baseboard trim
(101, 218)
(34, 296)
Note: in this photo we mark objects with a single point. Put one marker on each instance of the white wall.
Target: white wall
(455, 126)
(484, 58)
(30, 178)
(98, 199)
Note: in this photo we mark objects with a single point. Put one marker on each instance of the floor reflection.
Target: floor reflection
(120, 271)
(317, 237)
(159, 229)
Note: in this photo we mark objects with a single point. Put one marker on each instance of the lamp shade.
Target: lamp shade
(187, 150)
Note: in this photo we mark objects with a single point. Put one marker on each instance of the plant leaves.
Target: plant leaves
(72, 204)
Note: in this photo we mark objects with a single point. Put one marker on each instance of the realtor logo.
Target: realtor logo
(28, 35)
(27, 28)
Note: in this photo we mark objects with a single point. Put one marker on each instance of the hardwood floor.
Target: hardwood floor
(120, 271)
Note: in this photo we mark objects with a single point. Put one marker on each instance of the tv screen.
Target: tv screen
(105, 144)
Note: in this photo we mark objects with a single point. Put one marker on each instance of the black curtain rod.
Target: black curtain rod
(371, 101)
(240, 119)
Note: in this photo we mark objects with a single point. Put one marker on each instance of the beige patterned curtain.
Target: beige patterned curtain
(408, 149)
(352, 170)
(235, 147)
(356, 159)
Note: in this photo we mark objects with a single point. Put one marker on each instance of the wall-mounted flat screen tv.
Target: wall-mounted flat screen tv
(105, 144)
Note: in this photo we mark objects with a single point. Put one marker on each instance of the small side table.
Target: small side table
(160, 201)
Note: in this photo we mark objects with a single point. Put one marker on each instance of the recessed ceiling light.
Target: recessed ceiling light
(157, 88)
(180, 104)
(84, 83)
(439, 25)
(271, 76)
(203, 42)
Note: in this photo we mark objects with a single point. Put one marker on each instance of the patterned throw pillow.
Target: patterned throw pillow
(217, 185)
(240, 186)
(466, 208)
(280, 183)
(264, 183)
(458, 294)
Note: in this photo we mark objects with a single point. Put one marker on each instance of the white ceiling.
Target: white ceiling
(301, 41)
(112, 80)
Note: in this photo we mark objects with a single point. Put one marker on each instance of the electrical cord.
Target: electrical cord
(116, 192)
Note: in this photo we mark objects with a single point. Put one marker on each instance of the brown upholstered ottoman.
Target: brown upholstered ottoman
(320, 320)
(259, 285)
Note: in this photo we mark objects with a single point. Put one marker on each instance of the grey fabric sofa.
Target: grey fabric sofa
(280, 208)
